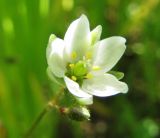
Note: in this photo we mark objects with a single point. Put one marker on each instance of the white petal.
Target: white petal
(104, 85)
(96, 34)
(108, 52)
(74, 88)
(85, 101)
(55, 57)
(77, 38)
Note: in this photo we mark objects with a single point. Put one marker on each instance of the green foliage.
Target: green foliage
(25, 26)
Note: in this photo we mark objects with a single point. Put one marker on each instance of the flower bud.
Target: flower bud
(79, 113)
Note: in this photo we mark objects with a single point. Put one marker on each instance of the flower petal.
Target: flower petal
(96, 34)
(108, 52)
(74, 88)
(55, 57)
(85, 101)
(77, 38)
(104, 85)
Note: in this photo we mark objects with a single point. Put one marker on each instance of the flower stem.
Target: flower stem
(39, 118)
(51, 104)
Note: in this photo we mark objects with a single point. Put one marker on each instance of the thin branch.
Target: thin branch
(37, 121)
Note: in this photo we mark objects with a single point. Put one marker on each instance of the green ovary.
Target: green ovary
(77, 71)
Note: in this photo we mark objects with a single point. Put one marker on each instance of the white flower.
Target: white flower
(83, 60)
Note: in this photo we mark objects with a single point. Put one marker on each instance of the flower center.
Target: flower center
(78, 71)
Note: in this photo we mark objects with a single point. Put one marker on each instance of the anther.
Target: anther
(88, 55)
(73, 55)
(74, 78)
(71, 66)
(96, 68)
(89, 76)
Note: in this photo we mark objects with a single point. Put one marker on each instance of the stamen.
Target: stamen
(89, 76)
(96, 68)
(71, 66)
(73, 55)
(74, 78)
(88, 55)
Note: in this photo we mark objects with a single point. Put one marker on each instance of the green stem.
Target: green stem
(51, 104)
(37, 121)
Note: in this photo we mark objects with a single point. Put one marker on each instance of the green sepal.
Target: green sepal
(52, 77)
(51, 38)
(68, 100)
(117, 74)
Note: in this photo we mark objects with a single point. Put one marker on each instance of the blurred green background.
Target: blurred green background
(25, 26)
